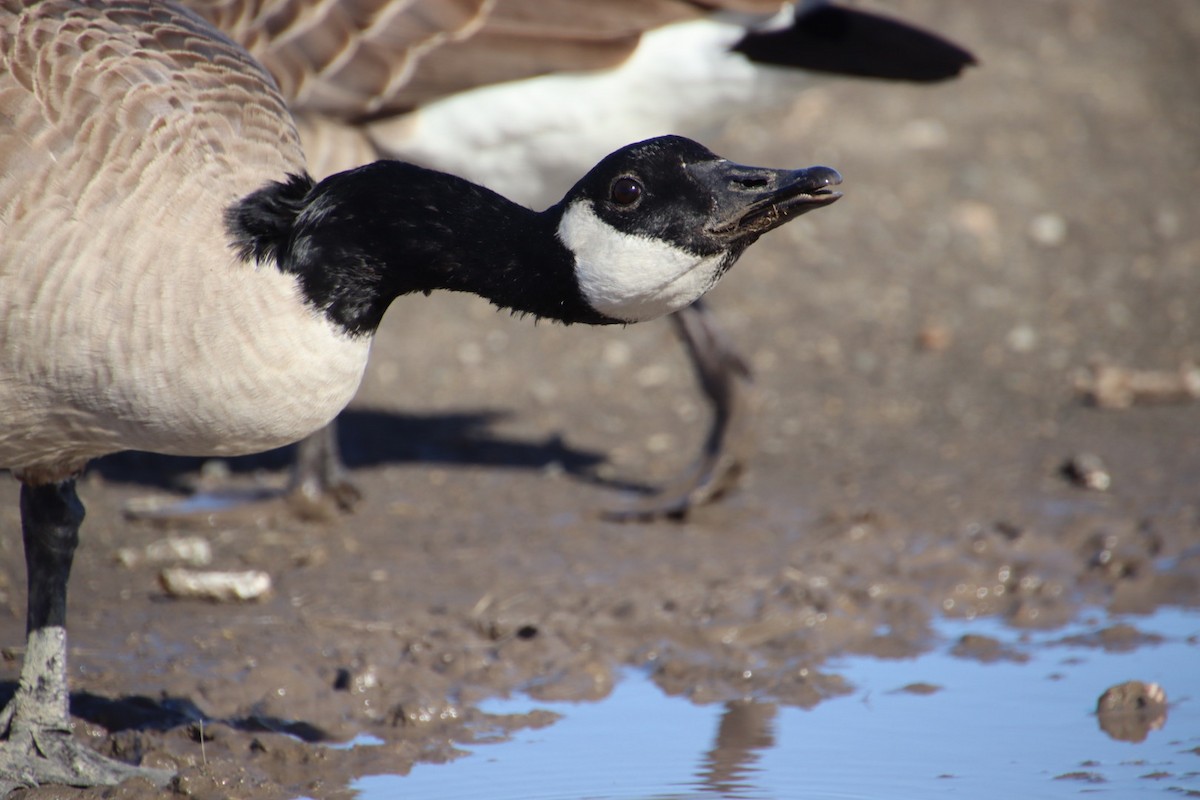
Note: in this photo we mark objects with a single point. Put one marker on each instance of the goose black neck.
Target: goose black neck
(359, 239)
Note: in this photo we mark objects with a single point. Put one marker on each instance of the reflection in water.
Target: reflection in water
(1012, 728)
(747, 727)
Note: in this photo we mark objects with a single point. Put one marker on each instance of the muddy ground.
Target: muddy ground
(917, 349)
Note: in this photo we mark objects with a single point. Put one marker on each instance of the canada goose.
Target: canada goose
(523, 95)
(175, 282)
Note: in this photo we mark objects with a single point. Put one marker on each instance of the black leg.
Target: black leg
(36, 745)
(318, 473)
(725, 380)
(50, 520)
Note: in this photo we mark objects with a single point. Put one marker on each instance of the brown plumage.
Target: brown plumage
(68, 161)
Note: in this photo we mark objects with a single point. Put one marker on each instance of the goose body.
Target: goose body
(174, 281)
(111, 341)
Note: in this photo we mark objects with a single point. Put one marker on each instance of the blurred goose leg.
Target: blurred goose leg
(318, 488)
(725, 380)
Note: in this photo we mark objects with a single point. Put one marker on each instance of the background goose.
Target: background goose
(523, 95)
(176, 282)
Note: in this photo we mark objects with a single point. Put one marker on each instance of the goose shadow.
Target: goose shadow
(370, 438)
(142, 713)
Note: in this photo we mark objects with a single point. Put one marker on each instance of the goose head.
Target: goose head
(655, 225)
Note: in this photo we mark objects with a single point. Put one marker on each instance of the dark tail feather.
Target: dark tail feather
(848, 42)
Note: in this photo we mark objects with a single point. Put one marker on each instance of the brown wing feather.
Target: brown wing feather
(359, 59)
(343, 58)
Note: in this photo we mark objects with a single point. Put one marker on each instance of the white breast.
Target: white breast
(174, 356)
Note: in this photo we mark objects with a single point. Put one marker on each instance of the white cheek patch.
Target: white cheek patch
(633, 278)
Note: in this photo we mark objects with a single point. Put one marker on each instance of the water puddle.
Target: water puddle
(1019, 724)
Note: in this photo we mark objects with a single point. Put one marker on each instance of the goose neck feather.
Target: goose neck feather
(361, 238)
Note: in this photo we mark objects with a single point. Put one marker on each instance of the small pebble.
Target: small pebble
(195, 551)
(1087, 471)
(219, 587)
(1128, 711)
(934, 338)
(1131, 697)
(1048, 230)
(1022, 339)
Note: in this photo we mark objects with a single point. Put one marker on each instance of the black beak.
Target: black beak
(749, 201)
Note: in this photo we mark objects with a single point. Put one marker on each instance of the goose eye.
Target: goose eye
(626, 191)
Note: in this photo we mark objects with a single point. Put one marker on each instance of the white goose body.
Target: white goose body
(111, 338)
(527, 139)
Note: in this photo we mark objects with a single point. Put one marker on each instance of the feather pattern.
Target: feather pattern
(211, 132)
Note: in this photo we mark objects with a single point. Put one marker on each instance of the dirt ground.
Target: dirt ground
(918, 351)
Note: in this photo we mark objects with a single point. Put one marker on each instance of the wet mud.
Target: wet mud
(926, 431)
